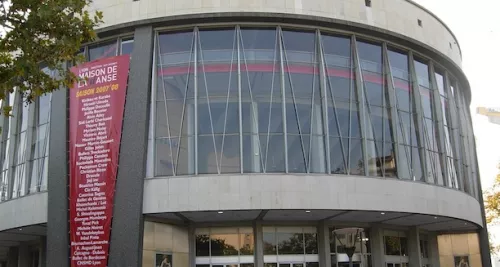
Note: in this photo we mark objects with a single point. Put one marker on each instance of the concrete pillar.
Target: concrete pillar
(57, 214)
(43, 251)
(433, 250)
(128, 221)
(325, 260)
(12, 257)
(259, 244)
(414, 247)
(377, 246)
(24, 258)
(192, 246)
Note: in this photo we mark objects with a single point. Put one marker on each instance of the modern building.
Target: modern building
(254, 130)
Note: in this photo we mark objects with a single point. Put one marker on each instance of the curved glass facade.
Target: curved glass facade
(278, 100)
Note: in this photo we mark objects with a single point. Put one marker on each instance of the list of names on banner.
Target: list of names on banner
(96, 113)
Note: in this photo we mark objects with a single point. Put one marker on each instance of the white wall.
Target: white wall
(27, 210)
(304, 192)
(399, 16)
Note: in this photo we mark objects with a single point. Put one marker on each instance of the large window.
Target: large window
(225, 247)
(380, 151)
(278, 100)
(396, 248)
(430, 132)
(362, 251)
(24, 168)
(290, 246)
(411, 167)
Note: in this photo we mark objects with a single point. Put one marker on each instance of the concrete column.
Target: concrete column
(414, 247)
(325, 260)
(57, 214)
(24, 258)
(12, 257)
(128, 220)
(192, 246)
(43, 251)
(433, 250)
(259, 244)
(377, 246)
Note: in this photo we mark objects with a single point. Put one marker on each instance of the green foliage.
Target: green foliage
(492, 207)
(36, 32)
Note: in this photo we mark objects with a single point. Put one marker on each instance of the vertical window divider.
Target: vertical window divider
(118, 47)
(283, 99)
(30, 136)
(195, 37)
(391, 93)
(361, 103)
(151, 169)
(454, 135)
(13, 142)
(438, 112)
(240, 108)
(415, 87)
(323, 77)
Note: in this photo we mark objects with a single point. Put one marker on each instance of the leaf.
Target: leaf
(40, 35)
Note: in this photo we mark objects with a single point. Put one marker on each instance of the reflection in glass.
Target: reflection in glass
(202, 245)
(224, 245)
(269, 239)
(267, 100)
(103, 51)
(246, 244)
(290, 243)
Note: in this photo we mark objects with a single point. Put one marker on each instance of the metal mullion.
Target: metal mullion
(283, 100)
(438, 112)
(361, 103)
(30, 134)
(240, 108)
(415, 87)
(460, 141)
(393, 108)
(465, 143)
(195, 37)
(118, 47)
(13, 142)
(152, 112)
(455, 135)
(323, 77)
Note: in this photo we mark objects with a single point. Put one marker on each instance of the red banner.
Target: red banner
(95, 126)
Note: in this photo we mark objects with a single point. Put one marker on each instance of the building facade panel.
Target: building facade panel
(396, 16)
(267, 134)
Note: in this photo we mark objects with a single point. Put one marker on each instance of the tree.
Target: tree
(36, 34)
(492, 207)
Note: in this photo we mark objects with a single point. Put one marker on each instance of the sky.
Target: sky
(476, 24)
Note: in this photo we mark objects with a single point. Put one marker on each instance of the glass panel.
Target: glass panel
(202, 245)
(103, 50)
(422, 71)
(392, 245)
(290, 243)
(246, 244)
(269, 239)
(127, 47)
(311, 243)
(224, 245)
